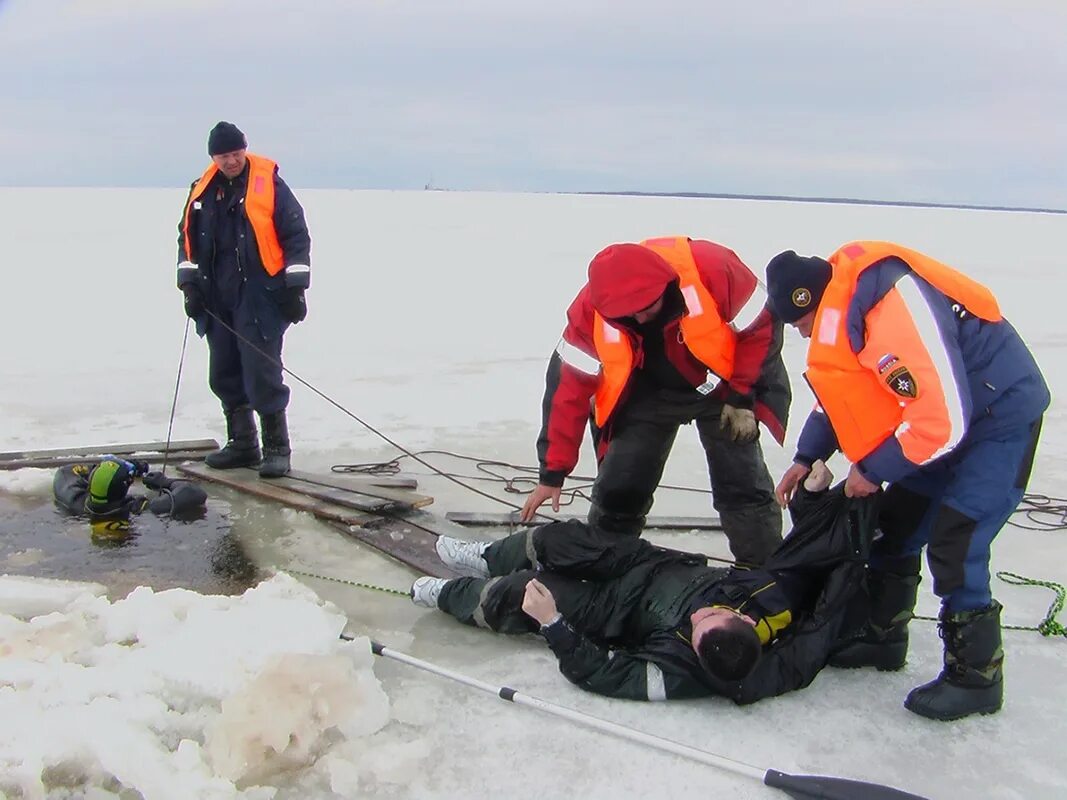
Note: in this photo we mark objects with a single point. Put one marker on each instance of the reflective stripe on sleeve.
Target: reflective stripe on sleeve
(655, 687)
(576, 358)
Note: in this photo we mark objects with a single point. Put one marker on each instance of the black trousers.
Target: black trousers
(240, 374)
(640, 441)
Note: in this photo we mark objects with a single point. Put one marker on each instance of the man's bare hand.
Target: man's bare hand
(538, 602)
(787, 486)
(858, 486)
(537, 497)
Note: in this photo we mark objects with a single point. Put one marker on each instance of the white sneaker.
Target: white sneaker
(466, 558)
(426, 590)
(819, 477)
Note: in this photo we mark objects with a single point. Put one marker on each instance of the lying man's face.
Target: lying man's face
(712, 617)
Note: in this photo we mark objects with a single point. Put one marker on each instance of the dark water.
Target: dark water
(40, 540)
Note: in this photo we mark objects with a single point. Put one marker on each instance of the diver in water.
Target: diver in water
(102, 493)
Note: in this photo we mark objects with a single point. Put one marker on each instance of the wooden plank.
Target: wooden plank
(342, 497)
(398, 496)
(397, 481)
(112, 449)
(512, 518)
(410, 546)
(241, 481)
(59, 461)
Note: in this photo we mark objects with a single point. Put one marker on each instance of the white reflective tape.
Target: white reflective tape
(188, 265)
(750, 310)
(578, 359)
(931, 335)
(828, 326)
(611, 333)
(654, 684)
(692, 301)
(294, 269)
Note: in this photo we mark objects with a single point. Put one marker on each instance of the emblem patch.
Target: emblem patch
(902, 382)
(801, 297)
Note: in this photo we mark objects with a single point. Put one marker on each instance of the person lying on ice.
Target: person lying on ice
(101, 492)
(631, 620)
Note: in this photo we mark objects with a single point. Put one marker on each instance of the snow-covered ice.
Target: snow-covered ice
(431, 316)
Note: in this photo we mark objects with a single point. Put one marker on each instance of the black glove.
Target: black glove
(293, 306)
(194, 300)
(157, 481)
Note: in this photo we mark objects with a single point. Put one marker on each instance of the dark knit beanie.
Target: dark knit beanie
(795, 284)
(225, 138)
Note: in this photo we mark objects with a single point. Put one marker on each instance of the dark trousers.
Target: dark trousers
(956, 507)
(632, 466)
(587, 573)
(240, 374)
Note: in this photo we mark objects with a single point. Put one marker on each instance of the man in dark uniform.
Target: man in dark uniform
(631, 620)
(244, 256)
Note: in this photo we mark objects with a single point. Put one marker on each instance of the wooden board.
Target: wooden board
(249, 482)
(366, 486)
(397, 481)
(512, 518)
(153, 452)
(113, 449)
(60, 461)
(408, 545)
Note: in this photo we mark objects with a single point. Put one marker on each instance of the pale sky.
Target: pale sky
(953, 101)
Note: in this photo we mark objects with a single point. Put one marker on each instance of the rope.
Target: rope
(1049, 626)
(362, 422)
(174, 403)
(357, 584)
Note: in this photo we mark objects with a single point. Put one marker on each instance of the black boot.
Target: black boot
(972, 681)
(242, 447)
(883, 641)
(275, 445)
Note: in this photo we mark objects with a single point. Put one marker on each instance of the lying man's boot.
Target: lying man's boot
(242, 446)
(883, 641)
(463, 558)
(972, 681)
(426, 590)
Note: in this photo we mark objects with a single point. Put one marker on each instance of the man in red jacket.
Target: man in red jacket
(667, 332)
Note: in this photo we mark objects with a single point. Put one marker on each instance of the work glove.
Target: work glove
(739, 424)
(293, 306)
(194, 300)
(140, 467)
(157, 481)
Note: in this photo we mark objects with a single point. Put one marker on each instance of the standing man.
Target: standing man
(244, 256)
(923, 385)
(667, 332)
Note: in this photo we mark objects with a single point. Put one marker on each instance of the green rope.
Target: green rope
(1049, 626)
(357, 584)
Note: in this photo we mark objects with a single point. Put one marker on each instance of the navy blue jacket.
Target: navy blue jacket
(229, 270)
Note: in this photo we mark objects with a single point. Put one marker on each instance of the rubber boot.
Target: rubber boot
(276, 450)
(972, 681)
(242, 447)
(883, 641)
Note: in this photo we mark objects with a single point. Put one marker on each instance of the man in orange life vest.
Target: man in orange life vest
(667, 332)
(923, 385)
(244, 256)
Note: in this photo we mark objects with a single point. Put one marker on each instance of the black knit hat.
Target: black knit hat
(225, 138)
(795, 284)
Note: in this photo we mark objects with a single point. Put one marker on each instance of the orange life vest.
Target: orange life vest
(706, 334)
(862, 409)
(259, 208)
